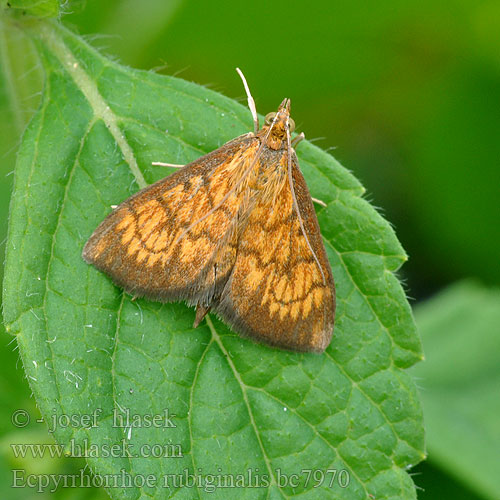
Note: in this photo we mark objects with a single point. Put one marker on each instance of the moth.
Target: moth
(234, 232)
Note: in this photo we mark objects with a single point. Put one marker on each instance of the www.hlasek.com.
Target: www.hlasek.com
(85, 449)
(251, 478)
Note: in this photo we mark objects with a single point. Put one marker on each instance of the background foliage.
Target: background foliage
(407, 93)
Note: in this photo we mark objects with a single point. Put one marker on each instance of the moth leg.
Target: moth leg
(161, 164)
(201, 312)
(319, 202)
(251, 102)
(297, 139)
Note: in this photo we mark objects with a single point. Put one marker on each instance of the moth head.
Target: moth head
(278, 125)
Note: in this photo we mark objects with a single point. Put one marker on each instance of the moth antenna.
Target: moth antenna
(251, 102)
(294, 198)
(233, 189)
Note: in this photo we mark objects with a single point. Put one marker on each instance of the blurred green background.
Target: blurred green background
(406, 94)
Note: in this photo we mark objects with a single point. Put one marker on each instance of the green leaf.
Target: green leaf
(19, 95)
(238, 406)
(37, 8)
(460, 383)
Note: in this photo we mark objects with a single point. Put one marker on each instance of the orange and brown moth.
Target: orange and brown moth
(234, 232)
